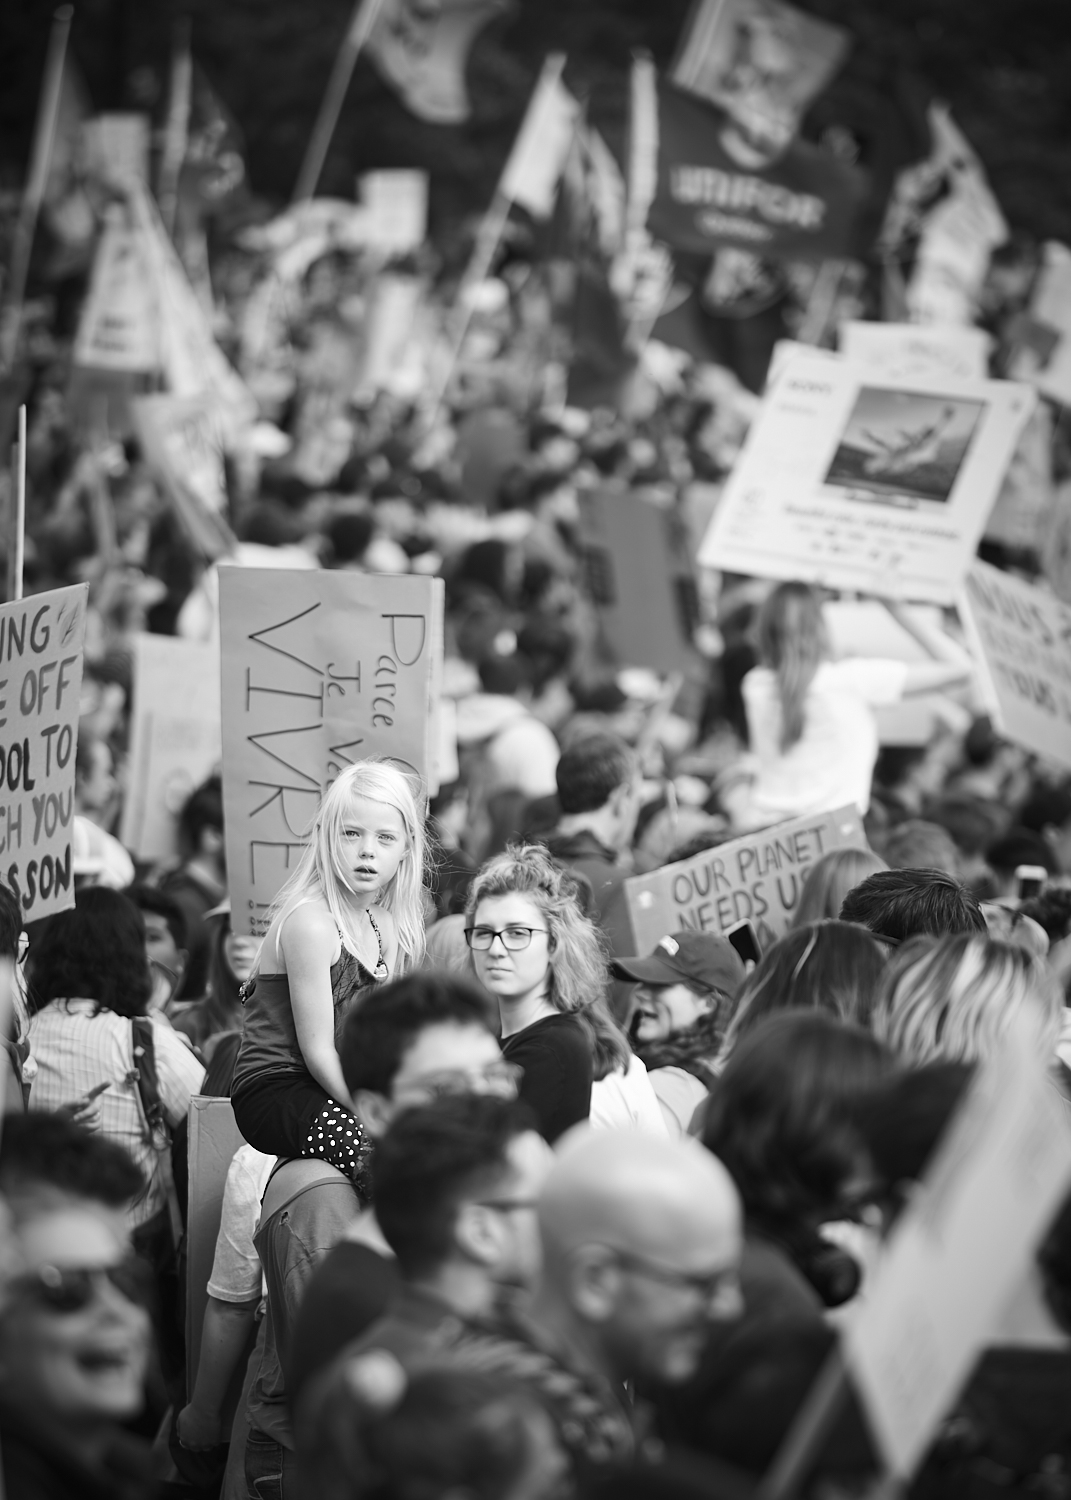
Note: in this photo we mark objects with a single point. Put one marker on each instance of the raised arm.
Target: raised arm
(310, 945)
(949, 665)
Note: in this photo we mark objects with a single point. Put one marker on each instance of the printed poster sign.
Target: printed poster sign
(755, 879)
(1022, 640)
(904, 350)
(41, 645)
(175, 740)
(999, 1176)
(858, 482)
(802, 206)
(318, 670)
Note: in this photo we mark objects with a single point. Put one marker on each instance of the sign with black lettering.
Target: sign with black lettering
(41, 643)
(872, 483)
(757, 879)
(802, 206)
(318, 670)
(1022, 641)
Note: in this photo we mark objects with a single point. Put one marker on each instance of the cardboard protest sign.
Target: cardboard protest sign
(318, 670)
(858, 482)
(183, 445)
(1042, 352)
(397, 207)
(41, 643)
(117, 329)
(636, 557)
(175, 740)
(801, 206)
(763, 61)
(117, 147)
(904, 350)
(1022, 639)
(957, 1253)
(757, 879)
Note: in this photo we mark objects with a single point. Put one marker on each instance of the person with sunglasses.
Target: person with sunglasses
(540, 957)
(75, 1335)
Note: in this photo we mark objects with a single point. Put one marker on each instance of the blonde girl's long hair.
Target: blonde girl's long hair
(793, 644)
(578, 968)
(322, 870)
(951, 999)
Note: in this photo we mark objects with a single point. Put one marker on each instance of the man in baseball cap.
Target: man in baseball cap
(687, 987)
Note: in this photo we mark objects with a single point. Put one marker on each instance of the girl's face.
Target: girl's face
(374, 843)
(517, 974)
(663, 1010)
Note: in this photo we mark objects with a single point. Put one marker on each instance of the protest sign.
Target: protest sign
(41, 643)
(757, 879)
(901, 351)
(318, 670)
(397, 206)
(801, 206)
(1042, 345)
(175, 739)
(854, 481)
(763, 61)
(183, 445)
(117, 148)
(636, 557)
(957, 1253)
(117, 329)
(1022, 639)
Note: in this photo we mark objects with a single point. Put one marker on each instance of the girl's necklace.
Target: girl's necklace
(381, 971)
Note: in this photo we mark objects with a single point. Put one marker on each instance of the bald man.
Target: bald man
(641, 1240)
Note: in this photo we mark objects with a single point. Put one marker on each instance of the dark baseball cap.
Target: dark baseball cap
(700, 959)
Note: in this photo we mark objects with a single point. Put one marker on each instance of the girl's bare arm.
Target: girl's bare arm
(310, 945)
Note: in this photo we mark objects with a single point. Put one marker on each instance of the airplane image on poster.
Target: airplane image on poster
(902, 447)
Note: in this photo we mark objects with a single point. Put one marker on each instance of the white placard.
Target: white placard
(956, 1255)
(902, 351)
(858, 482)
(1022, 640)
(397, 205)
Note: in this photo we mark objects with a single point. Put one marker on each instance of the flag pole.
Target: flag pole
(364, 18)
(36, 183)
(16, 556)
(178, 123)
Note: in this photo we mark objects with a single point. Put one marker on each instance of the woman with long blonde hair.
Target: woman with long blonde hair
(541, 958)
(350, 916)
(810, 717)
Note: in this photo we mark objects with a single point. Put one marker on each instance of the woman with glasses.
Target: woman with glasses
(540, 957)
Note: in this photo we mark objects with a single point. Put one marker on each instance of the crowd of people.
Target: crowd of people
(520, 1212)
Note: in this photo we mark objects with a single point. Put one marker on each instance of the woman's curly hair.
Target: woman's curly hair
(579, 976)
(95, 952)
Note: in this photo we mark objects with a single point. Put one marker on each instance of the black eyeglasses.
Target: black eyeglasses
(70, 1289)
(514, 939)
(712, 1287)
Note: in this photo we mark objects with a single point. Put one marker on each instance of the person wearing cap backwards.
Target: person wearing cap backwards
(687, 986)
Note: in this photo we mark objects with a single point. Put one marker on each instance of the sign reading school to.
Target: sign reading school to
(859, 481)
(41, 641)
(1022, 639)
(318, 670)
(756, 879)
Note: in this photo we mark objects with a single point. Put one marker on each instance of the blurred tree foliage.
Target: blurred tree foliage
(1003, 65)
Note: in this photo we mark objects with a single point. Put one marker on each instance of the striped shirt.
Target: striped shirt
(76, 1050)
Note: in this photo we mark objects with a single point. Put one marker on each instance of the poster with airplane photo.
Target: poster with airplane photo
(872, 483)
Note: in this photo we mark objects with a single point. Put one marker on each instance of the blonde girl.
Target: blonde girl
(349, 917)
(541, 958)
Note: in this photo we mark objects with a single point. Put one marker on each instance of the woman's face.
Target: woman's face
(74, 1365)
(374, 843)
(663, 1010)
(241, 954)
(519, 974)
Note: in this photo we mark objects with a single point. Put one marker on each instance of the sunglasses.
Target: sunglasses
(71, 1289)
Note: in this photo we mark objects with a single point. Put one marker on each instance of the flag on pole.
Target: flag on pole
(421, 48)
(762, 61)
(543, 143)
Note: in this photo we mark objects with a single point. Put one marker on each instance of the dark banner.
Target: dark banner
(803, 206)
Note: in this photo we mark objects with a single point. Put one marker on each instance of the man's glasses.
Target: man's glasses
(717, 1289)
(514, 939)
(499, 1078)
(70, 1289)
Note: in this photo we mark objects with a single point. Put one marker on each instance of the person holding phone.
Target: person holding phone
(687, 986)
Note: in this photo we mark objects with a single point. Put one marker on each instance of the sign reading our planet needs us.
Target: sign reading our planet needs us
(757, 879)
(41, 643)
